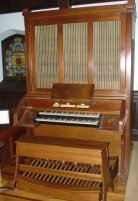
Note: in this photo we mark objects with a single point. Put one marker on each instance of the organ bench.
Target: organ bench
(65, 169)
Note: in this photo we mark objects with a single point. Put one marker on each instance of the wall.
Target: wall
(9, 24)
(14, 23)
(135, 82)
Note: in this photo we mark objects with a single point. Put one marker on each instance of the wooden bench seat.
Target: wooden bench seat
(66, 169)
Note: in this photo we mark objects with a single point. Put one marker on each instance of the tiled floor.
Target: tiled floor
(132, 184)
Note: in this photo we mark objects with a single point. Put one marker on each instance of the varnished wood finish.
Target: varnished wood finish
(71, 153)
(15, 195)
(72, 92)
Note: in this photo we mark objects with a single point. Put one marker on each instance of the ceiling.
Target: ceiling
(9, 6)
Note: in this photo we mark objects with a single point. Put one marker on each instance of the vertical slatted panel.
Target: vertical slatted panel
(75, 53)
(46, 63)
(106, 55)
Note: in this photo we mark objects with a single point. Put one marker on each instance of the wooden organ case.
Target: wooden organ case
(68, 52)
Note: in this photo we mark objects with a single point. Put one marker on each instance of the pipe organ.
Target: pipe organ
(79, 61)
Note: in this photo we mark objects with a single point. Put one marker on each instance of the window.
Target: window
(13, 50)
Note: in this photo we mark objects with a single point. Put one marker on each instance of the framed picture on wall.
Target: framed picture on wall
(13, 55)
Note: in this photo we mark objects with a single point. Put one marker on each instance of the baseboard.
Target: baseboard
(134, 135)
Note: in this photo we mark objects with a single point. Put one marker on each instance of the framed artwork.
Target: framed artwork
(13, 54)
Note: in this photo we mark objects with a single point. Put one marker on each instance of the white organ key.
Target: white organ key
(68, 121)
(70, 114)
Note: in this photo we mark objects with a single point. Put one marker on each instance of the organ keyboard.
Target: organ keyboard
(69, 118)
(69, 113)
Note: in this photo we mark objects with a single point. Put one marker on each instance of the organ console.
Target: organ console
(78, 80)
(75, 116)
